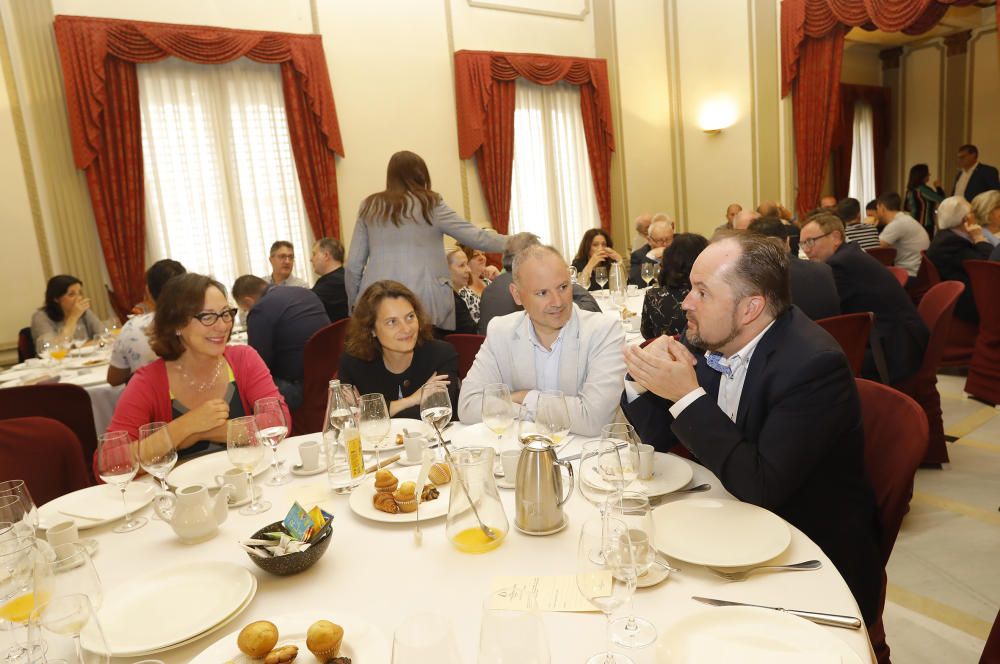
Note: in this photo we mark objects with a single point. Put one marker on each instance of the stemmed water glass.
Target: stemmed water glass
(648, 272)
(605, 573)
(157, 454)
(272, 427)
(601, 275)
(435, 406)
(117, 463)
(425, 637)
(507, 636)
(632, 508)
(69, 616)
(623, 436)
(246, 448)
(552, 417)
(601, 476)
(374, 423)
(73, 572)
(498, 411)
(22, 569)
(19, 489)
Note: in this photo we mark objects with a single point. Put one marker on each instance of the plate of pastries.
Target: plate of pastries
(390, 496)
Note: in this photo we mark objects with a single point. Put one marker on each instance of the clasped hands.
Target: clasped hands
(664, 367)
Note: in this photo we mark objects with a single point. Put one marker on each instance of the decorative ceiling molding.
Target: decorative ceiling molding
(563, 9)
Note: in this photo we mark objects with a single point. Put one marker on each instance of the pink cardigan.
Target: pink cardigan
(147, 397)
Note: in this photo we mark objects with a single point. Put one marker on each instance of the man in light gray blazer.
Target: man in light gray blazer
(551, 345)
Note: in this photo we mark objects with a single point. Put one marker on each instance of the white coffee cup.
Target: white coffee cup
(647, 454)
(64, 532)
(509, 459)
(309, 454)
(238, 479)
(631, 290)
(413, 447)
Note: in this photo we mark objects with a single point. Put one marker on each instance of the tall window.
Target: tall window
(221, 184)
(862, 185)
(552, 193)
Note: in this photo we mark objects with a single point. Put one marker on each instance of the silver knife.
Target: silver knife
(832, 619)
(576, 457)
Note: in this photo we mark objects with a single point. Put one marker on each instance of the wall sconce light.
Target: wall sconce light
(717, 114)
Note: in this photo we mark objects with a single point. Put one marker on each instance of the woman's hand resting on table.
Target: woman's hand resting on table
(414, 399)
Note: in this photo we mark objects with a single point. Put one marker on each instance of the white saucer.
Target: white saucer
(246, 501)
(297, 470)
(654, 576)
(403, 462)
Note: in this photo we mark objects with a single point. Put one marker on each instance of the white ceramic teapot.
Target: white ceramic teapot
(192, 513)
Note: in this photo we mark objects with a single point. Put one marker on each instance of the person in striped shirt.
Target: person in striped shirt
(849, 212)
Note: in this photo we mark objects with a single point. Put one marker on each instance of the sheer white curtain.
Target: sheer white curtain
(862, 185)
(220, 179)
(552, 193)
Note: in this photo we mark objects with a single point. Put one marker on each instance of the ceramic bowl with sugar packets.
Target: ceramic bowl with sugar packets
(290, 563)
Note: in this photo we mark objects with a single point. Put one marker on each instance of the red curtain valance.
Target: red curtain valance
(484, 90)
(98, 59)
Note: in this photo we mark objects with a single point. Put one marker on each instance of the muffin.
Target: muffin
(385, 481)
(323, 639)
(439, 474)
(406, 497)
(257, 639)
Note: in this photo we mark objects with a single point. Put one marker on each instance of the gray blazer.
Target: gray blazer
(591, 367)
(413, 254)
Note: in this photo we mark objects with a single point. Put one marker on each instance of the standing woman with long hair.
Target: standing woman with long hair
(922, 199)
(398, 236)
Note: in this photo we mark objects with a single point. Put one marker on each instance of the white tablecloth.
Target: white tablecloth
(374, 572)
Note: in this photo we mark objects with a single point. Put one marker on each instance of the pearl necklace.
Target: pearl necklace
(200, 387)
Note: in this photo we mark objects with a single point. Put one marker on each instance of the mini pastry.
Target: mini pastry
(384, 502)
(440, 474)
(257, 639)
(282, 655)
(399, 439)
(406, 497)
(323, 639)
(385, 481)
(430, 492)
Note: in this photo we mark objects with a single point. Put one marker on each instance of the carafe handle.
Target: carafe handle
(569, 469)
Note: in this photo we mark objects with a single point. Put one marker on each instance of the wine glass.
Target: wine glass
(272, 427)
(20, 489)
(600, 472)
(498, 411)
(648, 272)
(623, 436)
(632, 508)
(117, 463)
(69, 616)
(18, 559)
(601, 275)
(496, 645)
(80, 337)
(605, 573)
(435, 406)
(246, 449)
(73, 571)
(157, 454)
(552, 417)
(54, 349)
(425, 637)
(374, 422)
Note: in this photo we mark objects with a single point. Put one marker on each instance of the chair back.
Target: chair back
(927, 276)
(885, 255)
(851, 331)
(26, 440)
(467, 346)
(69, 404)
(25, 345)
(321, 364)
(991, 651)
(902, 276)
(984, 366)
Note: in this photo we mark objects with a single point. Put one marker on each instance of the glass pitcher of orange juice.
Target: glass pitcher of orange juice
(477, 522)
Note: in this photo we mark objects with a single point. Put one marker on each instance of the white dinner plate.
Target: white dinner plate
(96, 505)
(363, 642)
(165, 608)
(720, 533)
(361, 500)
(749, 635)
(397, 426)
(670, 473)
(203, 469)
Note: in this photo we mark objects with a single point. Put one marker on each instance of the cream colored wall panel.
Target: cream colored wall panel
(572, 9)
(481, 29)
(984, 128)
(861, 65)
(284, 16)
(921, 96)
(646, 145)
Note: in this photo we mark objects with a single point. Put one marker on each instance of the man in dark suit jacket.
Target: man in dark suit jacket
(327, 261)
(783, 428)
(959, 239)
(973, 177)
(864, 284)
(813, 288)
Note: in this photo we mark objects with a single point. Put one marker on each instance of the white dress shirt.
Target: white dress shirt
(963, 180)
(546, 367)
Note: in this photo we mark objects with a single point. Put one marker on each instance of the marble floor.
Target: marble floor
(944, 574)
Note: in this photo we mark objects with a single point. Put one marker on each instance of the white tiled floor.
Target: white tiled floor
(944, 574)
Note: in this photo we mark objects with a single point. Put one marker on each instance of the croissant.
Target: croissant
(385, 503)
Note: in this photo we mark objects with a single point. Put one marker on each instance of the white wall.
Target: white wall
(984, 96)
(922, 108)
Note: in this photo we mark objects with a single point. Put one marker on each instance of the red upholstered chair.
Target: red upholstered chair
(901, 275)
(852, 332)
(26, 441)
(69, 404)
(961, 341)
(927, 277)
(984, 367)
(467, 346)
(321, 364)
(895, 444)
(885, 255)
(935, 309)
(991, 652)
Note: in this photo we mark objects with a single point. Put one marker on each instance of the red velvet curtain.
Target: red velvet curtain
(804, 22)
(98, 62)
(843, 139)
(484, 89)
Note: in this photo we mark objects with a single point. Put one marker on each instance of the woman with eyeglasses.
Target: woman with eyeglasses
(199, 382)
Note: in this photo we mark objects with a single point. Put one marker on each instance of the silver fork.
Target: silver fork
(656, 501)
(742, 574)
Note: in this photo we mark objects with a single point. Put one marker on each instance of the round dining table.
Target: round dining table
(374, 572)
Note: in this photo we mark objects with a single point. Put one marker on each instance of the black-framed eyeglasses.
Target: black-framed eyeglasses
(808, 244)
(209, 318)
